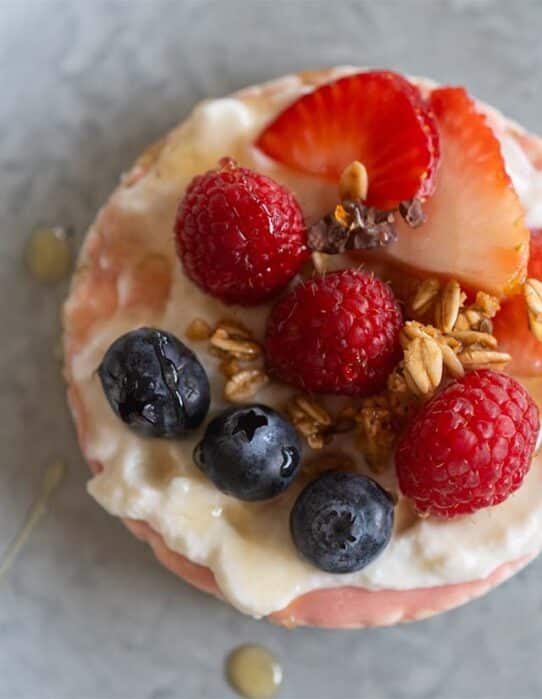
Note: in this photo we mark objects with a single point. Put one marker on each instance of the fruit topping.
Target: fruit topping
(518, 330)
(240, 235)
(375, 117)
(338, 333)
(475, 229)
(251, 453)
(470, 446)
(354, 226)
(441, 340)
(435, 352)
(341, 521)
(535, 253)
(154, 383)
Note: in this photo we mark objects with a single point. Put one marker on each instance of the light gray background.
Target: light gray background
(86, 613)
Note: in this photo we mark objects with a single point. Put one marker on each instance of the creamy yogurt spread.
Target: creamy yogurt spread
(248, 545)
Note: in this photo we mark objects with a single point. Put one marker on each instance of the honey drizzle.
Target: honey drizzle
(52, 478)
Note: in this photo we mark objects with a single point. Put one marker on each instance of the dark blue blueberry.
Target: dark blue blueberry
(341, 521)
(251, 452)
(154, 383)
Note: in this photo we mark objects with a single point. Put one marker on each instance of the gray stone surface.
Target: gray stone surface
(86, 612)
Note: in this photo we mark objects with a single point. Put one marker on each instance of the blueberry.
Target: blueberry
(154, 383)
(251, 452)
(341, 521)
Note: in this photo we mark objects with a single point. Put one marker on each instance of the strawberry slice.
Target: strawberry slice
(475, 229)
(511, 326)
(377, 117)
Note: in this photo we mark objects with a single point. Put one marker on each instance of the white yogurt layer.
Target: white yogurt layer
(248, 545)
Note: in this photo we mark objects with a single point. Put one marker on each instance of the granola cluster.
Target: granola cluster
(315, 423)
(444, 336)
(235, 346)
(311, 420)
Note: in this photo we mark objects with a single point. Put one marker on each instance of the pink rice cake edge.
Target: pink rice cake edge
(339, 607)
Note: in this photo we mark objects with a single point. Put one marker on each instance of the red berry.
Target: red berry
(475, 230)
(377, 117)
(335, 334)
(470, 446)
(240, 235)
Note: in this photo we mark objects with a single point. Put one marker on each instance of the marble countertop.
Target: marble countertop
(85, 612)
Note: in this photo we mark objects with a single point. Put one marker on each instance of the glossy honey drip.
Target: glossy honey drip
(253, 672)
(51, 480)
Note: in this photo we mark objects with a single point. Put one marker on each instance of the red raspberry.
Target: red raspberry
(335, 334)
(240, 235)
(470, 446)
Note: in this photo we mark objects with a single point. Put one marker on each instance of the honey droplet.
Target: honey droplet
(253, 672)
(405, 516)
(162, 469)
(51, 480)
(48, 254)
